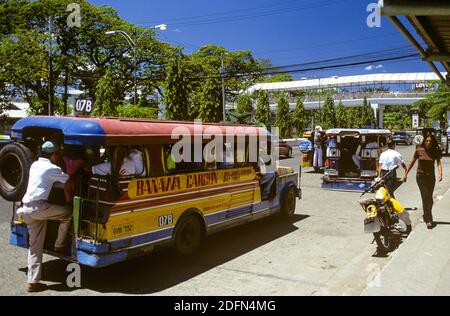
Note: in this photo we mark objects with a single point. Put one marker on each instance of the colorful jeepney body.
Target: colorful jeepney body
(116, 218)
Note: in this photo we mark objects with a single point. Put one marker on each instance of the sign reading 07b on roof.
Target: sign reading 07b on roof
(83, 106)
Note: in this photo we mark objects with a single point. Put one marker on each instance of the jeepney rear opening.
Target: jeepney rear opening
(352, 157)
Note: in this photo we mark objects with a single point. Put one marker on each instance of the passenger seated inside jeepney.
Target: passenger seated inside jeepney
(132, 163)
(370, 144)
(74, 160)
(348, 146)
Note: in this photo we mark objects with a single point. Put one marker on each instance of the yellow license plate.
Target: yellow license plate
(122, 230)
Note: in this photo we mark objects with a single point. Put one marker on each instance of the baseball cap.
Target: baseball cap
(49, 147)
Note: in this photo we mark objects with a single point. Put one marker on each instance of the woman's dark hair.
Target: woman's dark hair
(434, 150)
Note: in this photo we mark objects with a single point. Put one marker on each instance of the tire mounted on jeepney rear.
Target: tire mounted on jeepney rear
(15, 163)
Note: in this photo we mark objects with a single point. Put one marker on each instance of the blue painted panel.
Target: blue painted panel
(99, 261)
(75, 131)
(19, 236)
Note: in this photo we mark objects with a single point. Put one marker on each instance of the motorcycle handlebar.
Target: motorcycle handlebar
(380, 181)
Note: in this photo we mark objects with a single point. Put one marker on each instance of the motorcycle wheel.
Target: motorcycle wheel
(383, 240)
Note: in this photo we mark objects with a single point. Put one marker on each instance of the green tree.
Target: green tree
(80, 54)
(328, 114)
(176, 94)
(435, 105)
(105, 99)
(341, 120)
(263, 108)
(366, 114)
(317, 117)
(133, 111)
(143, 101)
(283, 119)
(278, 78)
(210, 99)
(371, 116)
(299, 119)
(352, 117)
(244, 104)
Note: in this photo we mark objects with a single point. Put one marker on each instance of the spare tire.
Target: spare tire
(15, 163)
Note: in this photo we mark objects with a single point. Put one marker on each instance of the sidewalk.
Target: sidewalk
(421, 266)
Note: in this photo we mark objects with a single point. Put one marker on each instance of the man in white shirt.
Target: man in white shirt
(389, 160)
(36, 211)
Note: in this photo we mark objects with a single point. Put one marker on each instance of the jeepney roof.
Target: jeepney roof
(124, 131)
(361, 131)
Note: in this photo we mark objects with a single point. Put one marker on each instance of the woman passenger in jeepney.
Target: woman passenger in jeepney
(74, 159)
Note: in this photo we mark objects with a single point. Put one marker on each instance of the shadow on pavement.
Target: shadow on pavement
(397, 239)
(440, 223)
(163, 269)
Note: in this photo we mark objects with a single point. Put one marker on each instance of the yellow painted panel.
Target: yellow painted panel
(150, 187)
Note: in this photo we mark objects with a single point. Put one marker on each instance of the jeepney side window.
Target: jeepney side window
(228, 156)
(210, 157)
(188, 164)
(241, 152)
(138, 156)
(121, 161)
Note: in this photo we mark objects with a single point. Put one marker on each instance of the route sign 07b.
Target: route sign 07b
(83, 106)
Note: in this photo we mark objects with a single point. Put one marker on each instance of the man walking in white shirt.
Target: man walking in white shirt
(389, 160)
(36, 211)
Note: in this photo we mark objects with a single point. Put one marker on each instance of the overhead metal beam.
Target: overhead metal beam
(414, 7)
(442, 57)
(396, 22)
(426, 32)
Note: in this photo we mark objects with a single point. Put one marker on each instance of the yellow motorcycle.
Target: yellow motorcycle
(382, 214)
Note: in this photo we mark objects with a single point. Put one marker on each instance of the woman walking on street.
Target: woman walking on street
(427, 154)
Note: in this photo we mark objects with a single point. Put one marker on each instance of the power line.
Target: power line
(187, 19)
(382, 53)
(312, 67)
(324, 44)
(257, 15)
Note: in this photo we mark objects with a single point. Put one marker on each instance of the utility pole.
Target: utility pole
(135, 73)
(134, 48)
(50, 68)
(222, 73)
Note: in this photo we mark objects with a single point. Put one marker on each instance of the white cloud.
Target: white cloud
(177, 30)
(370, 67)
(379, 66)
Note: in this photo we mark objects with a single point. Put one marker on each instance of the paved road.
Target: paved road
(321, 251)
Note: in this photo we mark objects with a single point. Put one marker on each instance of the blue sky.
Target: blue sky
(286, 32)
